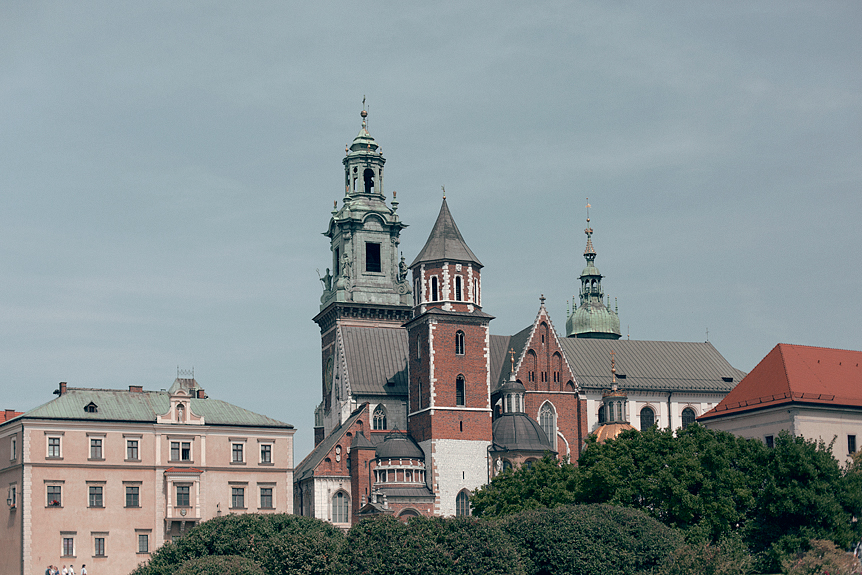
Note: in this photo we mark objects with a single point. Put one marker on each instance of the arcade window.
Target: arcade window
(372, 257)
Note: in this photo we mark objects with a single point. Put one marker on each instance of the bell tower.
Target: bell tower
(449, 409)
(366, 284)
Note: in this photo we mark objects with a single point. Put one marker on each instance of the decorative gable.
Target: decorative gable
(542, 365)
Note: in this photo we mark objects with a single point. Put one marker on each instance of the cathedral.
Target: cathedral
(421, 404)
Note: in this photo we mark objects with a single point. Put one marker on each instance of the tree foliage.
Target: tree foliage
(219, 565)
(426, 546)
(279, 544)
(822, 557)
(730, 556)
(589, 539)
(548, 483)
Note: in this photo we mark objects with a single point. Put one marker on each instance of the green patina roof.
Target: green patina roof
(145, 407)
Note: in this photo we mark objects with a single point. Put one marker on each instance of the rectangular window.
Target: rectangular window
(770, 442)
(55, 498)
(53, 447)
(133, 496)
(372, 257)
(143, 543)
(132, 449)
(13, 495)
(183, 495)
(14, 449)
(851, 444)
(266, 453)
(96, 496)
(237, 497)
(68, 546)
(237, 453)
(95, 449)
(266, 497)
(181, 451)
(99, 550)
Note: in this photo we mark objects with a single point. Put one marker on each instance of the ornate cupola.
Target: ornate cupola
(592, 318)
(613, 416)
(365, 233)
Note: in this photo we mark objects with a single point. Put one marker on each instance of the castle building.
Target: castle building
(421, 404)
(104, 477)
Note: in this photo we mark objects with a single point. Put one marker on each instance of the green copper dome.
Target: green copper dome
(592, 318)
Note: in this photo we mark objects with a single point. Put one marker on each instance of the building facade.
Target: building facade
(418, 356)
(814, 392)
(104, 477)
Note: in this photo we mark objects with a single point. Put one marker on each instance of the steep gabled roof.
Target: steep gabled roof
(143, 406)
(306, 467)
(445, 242)
(650, 365)
(376, 360)
(797, 374)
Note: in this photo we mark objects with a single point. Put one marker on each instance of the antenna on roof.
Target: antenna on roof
(444, 191)
(707, 335)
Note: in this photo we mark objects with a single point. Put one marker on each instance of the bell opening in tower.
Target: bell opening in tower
(368, 176)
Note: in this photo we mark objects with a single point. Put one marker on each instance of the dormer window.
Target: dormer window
(91, 408)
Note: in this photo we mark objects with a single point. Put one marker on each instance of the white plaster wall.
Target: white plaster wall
(324, 489)
(456, 464)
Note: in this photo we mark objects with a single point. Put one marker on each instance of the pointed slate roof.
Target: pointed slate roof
(445, 242)
(797, 374)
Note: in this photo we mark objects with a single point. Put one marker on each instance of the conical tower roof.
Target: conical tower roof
(445, 242)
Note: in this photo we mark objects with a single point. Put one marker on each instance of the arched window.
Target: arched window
(434, 288)
(476, 290)
(462, 504)
(611, 414)
(459, 342)
(459, 390)
(548, 421)
(688, 416)
(340, 508)
(419, 381)
(379, 418)
(601, 414)
(458, 290)
(647, 418)
(368, 175)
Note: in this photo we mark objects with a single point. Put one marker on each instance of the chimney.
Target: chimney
(136, 388)
(201, 394)
(62, 387)
(10, 413)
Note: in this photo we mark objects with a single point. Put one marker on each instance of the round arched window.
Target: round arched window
(688, 416)
(647, 418)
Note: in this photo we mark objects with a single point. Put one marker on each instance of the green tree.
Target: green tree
(822, 557)
(547, 483)
(702, 481)
(429, 546)
(280, 544)
(219, 565)
(730, 556)
(590, 539)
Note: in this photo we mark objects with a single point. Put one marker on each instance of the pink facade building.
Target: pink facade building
(104, 477)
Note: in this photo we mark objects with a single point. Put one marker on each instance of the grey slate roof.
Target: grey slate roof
(650, 365)
(376, 360)
(306, 467)
(519, 432)
(445, 242)
(501, 364)
(121, 405)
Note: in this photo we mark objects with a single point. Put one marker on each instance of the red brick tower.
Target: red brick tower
(449, 413)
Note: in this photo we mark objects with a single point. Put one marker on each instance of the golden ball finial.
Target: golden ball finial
(363, 113)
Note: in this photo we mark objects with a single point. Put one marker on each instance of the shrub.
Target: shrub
(821, 557)
(729, 556)
(219, 565)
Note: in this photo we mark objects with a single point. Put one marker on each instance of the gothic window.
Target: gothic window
(379, 418)
(476, 291)
(458, 288)
(531, 366)
(459, 390)
(462, 504)
(372, 257)
(420, 392)
(688, 416)
(417, 292)
(340, 508)
(548, 421)
(459, 342)
(647, 418)
(434, 288)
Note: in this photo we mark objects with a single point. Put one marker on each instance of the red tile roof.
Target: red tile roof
(183, 470)
(9, 414)
(797, 374)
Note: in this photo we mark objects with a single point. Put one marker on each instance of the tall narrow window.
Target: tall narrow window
(417, 292)
(459, 391)
(770, 441)
(68, 546)
(143, 543)
(434, 288)
(687, 417)
(99, 550)
(53, 447)
(476, 291)
(602, 417)
(647, 418)
(462, 504)
(340, 508)
(851, 444)
(265, 453)
(237, 453)
(379, 418)
(132, 449)
(419, 381)
(459, 342)
(368, 177)
(95, 449)
(372, 257)
(458, 290)
(548, 421)
(14, 448)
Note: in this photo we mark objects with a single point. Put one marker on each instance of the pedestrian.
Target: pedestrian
(83, 570)
(48, 571)
(71, 569)
(64, 571)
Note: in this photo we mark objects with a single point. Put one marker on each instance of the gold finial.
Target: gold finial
(444, 191)
(334, 204)
(614, 368)
(394, 194)
(588, 210)
(512, 359)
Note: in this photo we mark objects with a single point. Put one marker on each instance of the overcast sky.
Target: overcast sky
(167, 169)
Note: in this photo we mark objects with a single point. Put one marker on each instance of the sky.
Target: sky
(167, 170)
